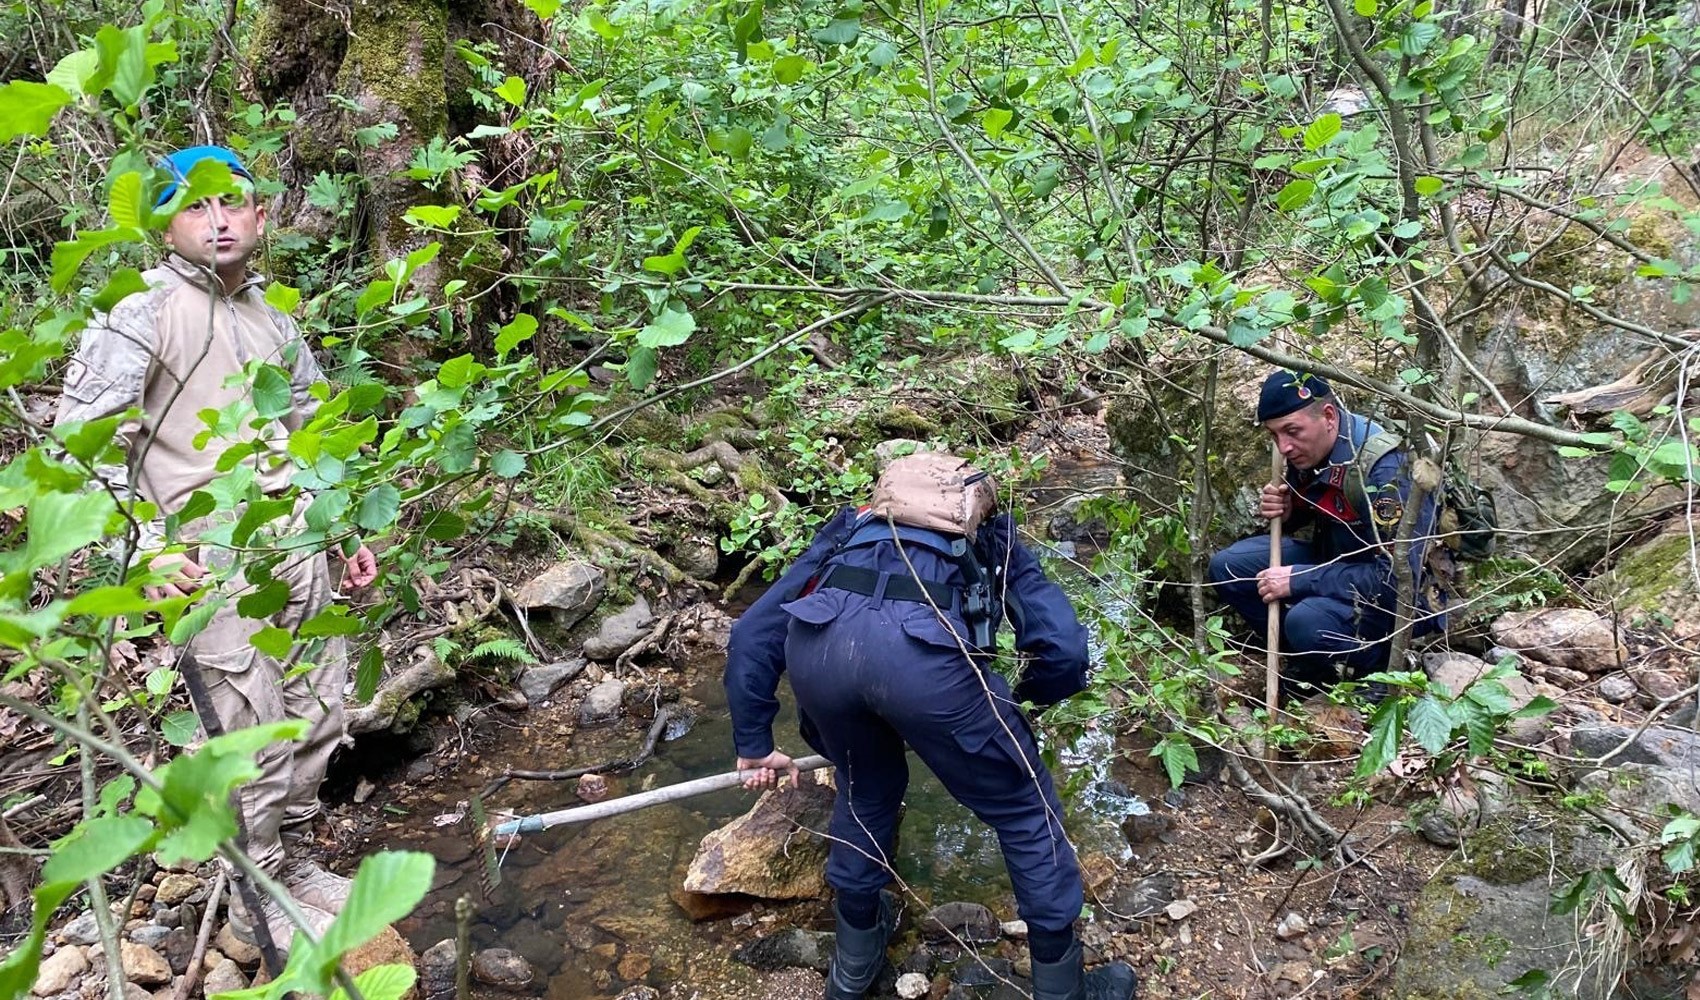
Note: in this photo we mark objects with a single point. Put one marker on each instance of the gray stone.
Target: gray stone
(1068, 525)
(541, 680)
(619, 631)
(1293, 925)
(225, 977)
(1574, 638)
(236, 949)
(1678, 749)
(913, 986)
(1617, 689)
(571, 589)
(151, 935)
(970, 923)
(60, 971)
(502, 969)
(178, 947)
(1146, 897)
(1641, 791)
(982, 971)
(175, 888)
(603, 701)
(83, 930)
(698, 557)
(791, 948)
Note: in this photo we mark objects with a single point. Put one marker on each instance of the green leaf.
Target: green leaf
(333, 621)
(381, 982)
(1365, 8)
(125, 202)
(457, 449)
(126, 281)
(887, 211)
(264, 602)
(670, 328)
(1417, 37)
(1321, 131)
(1428, 186)
(107, 601)
(271, 393)
(1384, 730)
(512, 90)
(27, 108)
(387, 887)
(544, 9)
(1430, 725)
(844, 30)
(74, 72)
(68, 257)
(1178, 757)
(789, 69)
(179, 728)
(59, 524)
(1408, 229)
(995, 120)
(378, 508)
(368, 673)
(272, 641)
(94, 848)
(1294, 195)
(432, 216)
(641, 367)
(515, 333)
(507, 463)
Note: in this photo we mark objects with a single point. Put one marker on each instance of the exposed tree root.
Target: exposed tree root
(428, 671)
(656, 728)
(595, 539)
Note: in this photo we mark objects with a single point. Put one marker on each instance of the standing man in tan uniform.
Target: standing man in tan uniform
(183, 347)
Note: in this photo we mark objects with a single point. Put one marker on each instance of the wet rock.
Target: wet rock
(640, 993)
(913, 985)
(225, 977)
(922, 961)
(1015, 930)
(701, 906)
(620, 631)
(541, 680)
(1142, 828)
(1146, 897)
(1678, 749)
(1069, 525)
(974, 971)
(603, 701)
(502, 969)
(570, 589)
(422, 768)
(970, 923)
(1292, 926)
(236, 949)
(591, 787)
(1618, 688)
(60, 970)
(791, 948)
(175, 888)
(762, 853)
(632, 966)
(437, 970)
(1575, 638)
(83, 930)
(143, 965)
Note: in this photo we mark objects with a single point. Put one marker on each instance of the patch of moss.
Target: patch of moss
(905, 421)
(1509, 851)
(1644, 574)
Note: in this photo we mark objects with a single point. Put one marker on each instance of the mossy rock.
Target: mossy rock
(1653, 576)
(1486, 919)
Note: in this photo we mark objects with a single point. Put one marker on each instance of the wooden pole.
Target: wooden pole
(1272, 671)
(642, 800)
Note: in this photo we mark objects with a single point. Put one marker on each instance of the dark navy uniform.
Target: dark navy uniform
(875, 667)
(1344, 592)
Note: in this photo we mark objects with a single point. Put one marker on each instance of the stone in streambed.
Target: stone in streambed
(59, 971)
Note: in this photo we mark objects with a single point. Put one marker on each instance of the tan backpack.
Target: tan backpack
(937, 491)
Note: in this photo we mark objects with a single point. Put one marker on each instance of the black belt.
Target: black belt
(889, 586)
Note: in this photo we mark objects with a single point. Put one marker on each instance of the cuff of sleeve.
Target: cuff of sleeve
(1302, 583)
(753, 751)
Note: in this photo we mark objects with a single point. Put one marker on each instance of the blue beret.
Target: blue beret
(179, 164)
(1285, 391)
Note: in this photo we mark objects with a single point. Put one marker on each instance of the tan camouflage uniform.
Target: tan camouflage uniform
(173, 351)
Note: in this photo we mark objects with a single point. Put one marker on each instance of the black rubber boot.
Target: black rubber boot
(1066, 979)
(858, 956)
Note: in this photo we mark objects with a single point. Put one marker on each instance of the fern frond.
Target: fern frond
(503, 649)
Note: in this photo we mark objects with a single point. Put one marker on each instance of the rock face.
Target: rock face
(619, 631)
(1677, 749)
(570, 589)
(761, 853)
(1573, 638)
(1486, 918)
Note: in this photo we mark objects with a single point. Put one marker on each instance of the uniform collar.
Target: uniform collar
(204, 278)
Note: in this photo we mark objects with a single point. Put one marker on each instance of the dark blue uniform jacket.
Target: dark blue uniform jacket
(1046, 628)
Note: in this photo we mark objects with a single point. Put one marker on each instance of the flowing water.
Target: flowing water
(589, 905)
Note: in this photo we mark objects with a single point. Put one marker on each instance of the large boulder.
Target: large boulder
(1486, 918)
(767, 852)
(1573, 638)
(1654, 575)
(569, 589)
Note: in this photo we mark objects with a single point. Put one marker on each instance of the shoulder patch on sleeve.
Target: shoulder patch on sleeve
(1387, 511)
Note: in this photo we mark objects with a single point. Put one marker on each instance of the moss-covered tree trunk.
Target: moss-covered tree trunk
(376, 62)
